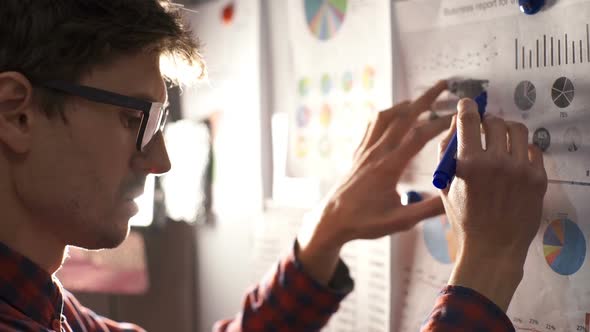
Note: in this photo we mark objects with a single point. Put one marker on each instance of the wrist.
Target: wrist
(319, 263)
(492, 272)
(319, 252)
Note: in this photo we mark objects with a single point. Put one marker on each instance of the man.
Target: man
(81, 111)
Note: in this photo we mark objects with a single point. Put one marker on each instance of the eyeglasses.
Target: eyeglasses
(154, 114)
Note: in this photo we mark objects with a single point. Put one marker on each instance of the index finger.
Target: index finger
(402, 124)
(424, 102)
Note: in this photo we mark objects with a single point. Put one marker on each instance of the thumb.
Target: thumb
(468, 129)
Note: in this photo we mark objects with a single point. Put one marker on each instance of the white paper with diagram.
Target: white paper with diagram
(342, 74)
(537, 67)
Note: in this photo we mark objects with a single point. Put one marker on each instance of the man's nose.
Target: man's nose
(154, 159)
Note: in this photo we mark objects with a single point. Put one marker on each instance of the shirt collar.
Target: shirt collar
(28, 288)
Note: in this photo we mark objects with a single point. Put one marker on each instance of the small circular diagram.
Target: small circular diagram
(542, 139)
(563, 92)
(525, 95)
(303, 116)
(564, 246)
(326, 84)
(572, 139)
(303, 86)
(368, 78)
(439, 239)
(326, 115)
(301, 147)
(325, 17)
(347, 81)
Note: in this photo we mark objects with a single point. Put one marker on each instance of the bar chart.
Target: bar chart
(552, 51)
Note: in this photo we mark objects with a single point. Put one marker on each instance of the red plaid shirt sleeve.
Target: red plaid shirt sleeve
(289, 300)
(462, 309)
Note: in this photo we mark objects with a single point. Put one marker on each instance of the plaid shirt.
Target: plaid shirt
(287, 300)
(462, 309)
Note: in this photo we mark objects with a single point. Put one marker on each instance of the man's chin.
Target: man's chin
(103, 240)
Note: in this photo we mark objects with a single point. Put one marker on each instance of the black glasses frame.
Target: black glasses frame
(115, 99)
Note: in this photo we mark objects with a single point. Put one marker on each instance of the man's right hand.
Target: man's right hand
(494, 203)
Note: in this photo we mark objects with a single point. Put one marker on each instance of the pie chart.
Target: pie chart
(368, 77)
(573, 139)
(304, 84)
(439, 239)
(301, 147)
(326, 84)
(324, 17)
(563, 92)
(542, 139)
(564, 246)
(347, 81)
(326, 115)
(525, 95)
(303, 116)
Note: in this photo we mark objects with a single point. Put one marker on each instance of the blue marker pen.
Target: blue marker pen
(445, 172)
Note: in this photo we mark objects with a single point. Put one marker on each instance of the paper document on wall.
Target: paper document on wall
(342, 76)
(537, 67)
(342, 70)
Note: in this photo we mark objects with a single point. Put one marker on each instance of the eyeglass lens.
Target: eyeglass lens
(156, 122)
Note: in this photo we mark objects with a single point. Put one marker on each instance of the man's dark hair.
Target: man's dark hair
(63, 39)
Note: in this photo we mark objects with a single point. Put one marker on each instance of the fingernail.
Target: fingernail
(467, 105)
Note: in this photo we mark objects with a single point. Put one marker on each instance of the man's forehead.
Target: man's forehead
(136, 75)
(155, 97)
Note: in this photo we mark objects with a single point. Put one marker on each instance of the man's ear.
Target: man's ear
(16, 111)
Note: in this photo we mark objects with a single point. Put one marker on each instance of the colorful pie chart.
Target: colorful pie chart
(326, 115)
(326, 84)
(439, 239)
(564, 246)
(324, 17)
(368, 77)
(301, 147)
(303, 116)
(303, 86)
(347, 81)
